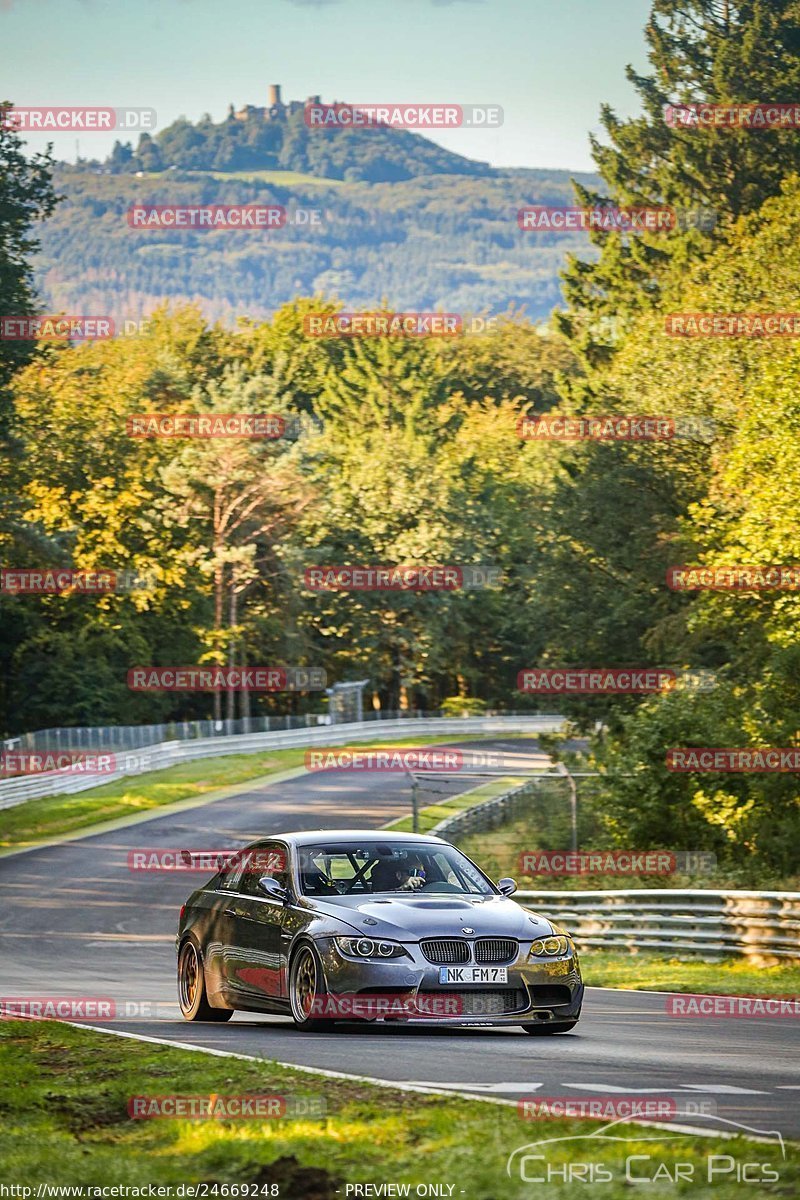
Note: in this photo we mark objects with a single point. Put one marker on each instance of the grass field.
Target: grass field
(430, 815)
(65, 1095)
(650, 971)
(547, 826)
(282, 178)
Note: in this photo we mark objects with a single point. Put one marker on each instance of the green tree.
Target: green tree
(237, 497)
(88, 494)
(26, 196)
(736, 503)
(715, 51)
(411, 473)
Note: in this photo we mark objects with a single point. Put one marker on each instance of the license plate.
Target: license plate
(473, 975)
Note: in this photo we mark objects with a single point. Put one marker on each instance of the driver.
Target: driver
(408, 876)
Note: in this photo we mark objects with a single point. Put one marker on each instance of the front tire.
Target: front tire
(307, 989)
(192, 988)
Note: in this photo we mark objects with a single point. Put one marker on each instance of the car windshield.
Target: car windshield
(369, 868)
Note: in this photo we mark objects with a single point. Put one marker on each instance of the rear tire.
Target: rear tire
(307, 989)
(547, 1030)
(192, 988)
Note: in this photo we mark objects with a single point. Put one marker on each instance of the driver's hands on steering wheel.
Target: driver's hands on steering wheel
(412, 884)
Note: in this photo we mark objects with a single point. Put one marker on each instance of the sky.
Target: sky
(550, 64)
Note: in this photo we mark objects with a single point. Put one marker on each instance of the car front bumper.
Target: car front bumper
(536, 991)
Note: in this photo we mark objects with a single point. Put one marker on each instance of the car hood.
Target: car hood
(410, 917)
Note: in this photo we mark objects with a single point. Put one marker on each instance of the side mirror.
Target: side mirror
(270, 887)
(507, 886)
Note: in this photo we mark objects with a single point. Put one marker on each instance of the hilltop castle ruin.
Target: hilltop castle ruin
(274, 110)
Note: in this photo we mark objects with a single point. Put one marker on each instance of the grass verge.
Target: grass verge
(498, 851)
(64, 1102)
(431, 814)
(645, 971)
(546, 826)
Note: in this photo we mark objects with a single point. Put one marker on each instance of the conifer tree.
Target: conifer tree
(700, 51)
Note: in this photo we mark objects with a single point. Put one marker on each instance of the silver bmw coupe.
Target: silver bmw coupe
(365, 925)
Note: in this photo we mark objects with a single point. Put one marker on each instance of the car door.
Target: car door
(255, 960)
(220, 932)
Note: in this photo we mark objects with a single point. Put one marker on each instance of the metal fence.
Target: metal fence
(156, 757)
(760, 925)
(491, 813)
(134, 737)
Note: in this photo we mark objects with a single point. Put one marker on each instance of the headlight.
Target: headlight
(357, 947)
(550, 947)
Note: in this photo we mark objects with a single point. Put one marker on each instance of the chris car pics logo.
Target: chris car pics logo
(619, 1153)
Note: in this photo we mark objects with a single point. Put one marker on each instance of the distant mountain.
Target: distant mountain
(435, 242)
(278, 138)
(389, 216)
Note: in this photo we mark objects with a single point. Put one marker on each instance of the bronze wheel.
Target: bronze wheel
(192, 988)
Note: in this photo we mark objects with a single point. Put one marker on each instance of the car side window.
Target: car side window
(229, 879)
(269, 859)
(446, 872)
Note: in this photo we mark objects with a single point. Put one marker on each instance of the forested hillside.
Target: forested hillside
(433, 242)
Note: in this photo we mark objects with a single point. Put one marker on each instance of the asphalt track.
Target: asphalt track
(76, 921)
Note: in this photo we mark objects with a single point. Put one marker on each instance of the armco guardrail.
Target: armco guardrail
(167, 754)
(116, 738)
(756, 924)
(112, 738)
(490, 813)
